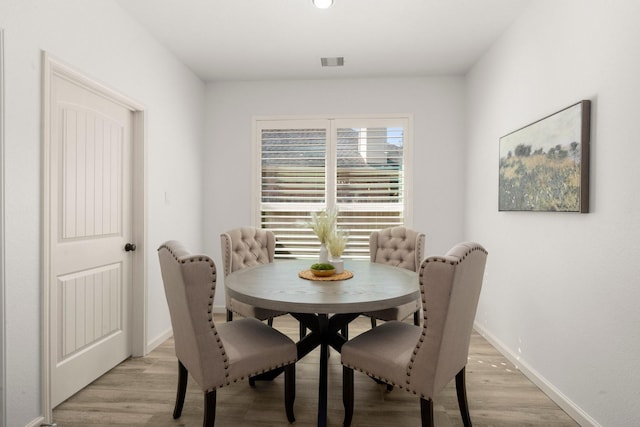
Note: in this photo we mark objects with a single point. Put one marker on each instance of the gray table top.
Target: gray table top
(276, 286)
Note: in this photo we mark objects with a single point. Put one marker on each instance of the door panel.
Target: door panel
(92, 148)
(91, 210)
(89, 308)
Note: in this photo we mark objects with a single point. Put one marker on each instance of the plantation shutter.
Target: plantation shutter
(292, 182)
(356, 166)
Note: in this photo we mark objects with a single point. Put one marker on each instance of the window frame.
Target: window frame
(331, 123)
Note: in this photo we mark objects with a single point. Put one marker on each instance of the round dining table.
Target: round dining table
(324, 306)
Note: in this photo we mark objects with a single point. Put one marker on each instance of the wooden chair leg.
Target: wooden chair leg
(290, 390)
(183, 376)
(387, 385)
(209, 409)
(373, 322)
(270, 321)
(426, 412)
(303, 331)
(229, 315)
(461, 389)
(347, 395)
(416, 317)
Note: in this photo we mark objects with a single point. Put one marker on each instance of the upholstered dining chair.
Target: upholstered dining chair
(241, 248)
(216, 355)
(400, 247)
(424, 359)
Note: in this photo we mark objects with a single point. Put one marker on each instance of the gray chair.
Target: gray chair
(216, 355)
(399, 247)
(241, 248)
(424, 359)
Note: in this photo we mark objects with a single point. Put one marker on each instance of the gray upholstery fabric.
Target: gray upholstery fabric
(400, 247)
(246, 247)
(397, 246)
(423, 359)
(215, 355)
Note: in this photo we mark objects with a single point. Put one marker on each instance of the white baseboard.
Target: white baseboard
(151, 345)
(36, 423)
(567, 405)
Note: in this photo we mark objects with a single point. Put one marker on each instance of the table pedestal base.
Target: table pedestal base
(325, 331)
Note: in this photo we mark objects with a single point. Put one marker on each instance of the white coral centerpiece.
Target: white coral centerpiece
(323, 224)
(336, 243)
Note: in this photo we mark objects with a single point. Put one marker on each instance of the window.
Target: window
(355, 165)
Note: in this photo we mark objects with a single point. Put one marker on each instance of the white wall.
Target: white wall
(100, 40)
(2, 343)
(437, 106)
(562, 290)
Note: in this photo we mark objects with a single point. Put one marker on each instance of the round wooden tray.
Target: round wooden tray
(307, 274)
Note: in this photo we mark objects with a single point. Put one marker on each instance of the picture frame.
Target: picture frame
(544, 166)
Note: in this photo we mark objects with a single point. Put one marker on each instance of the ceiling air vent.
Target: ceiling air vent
(337, 61)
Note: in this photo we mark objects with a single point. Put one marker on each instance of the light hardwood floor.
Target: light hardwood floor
(141, 392)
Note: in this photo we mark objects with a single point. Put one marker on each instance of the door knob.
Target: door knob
(129, 247)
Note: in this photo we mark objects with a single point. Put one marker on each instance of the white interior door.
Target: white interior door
(90, 283)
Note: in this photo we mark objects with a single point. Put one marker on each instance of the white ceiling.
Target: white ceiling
(285, 39)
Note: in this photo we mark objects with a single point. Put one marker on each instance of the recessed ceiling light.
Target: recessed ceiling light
(337, 61)
(322, 4)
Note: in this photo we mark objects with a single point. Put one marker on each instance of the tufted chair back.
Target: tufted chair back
(245, 247)
(397, 246)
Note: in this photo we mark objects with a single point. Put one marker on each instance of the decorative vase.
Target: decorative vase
(324, 254)
(338, 263)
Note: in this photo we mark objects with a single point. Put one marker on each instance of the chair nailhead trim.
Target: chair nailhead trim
(252, 374)
(425, 319)
(213, 278)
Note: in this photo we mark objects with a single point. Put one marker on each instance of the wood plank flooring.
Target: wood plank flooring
(141, 392)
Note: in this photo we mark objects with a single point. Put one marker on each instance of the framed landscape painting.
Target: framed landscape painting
(544, 166)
